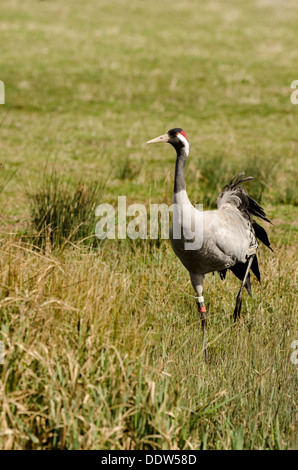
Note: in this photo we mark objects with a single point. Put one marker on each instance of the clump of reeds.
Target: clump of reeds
(62, 212)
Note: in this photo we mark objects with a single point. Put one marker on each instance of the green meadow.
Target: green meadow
(102, 339)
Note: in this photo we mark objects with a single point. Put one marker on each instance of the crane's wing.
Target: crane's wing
(234, 195)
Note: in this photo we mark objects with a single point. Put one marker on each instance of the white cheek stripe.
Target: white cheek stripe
(185, 142)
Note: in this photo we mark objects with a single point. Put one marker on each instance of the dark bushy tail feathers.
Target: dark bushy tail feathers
(235, 195)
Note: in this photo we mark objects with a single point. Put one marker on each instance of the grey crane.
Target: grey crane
(227, 237)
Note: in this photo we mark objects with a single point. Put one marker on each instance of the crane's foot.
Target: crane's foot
(203, 316)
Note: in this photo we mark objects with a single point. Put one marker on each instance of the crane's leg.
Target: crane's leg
(239, 296)
(203, 315)
(197, 282)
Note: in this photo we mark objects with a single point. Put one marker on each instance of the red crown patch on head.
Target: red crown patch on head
(184, 134)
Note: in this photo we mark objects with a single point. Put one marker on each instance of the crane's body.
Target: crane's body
(225, 238)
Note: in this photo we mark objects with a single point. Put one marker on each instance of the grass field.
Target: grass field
(103, 345)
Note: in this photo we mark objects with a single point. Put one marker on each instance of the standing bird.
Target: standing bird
(222, 239)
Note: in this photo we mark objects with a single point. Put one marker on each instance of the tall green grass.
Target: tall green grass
(103, 346)
(62, 212)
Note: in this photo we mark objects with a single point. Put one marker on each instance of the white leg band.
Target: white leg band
(201, 299)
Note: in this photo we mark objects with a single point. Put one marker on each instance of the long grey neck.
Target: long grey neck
(179, 182)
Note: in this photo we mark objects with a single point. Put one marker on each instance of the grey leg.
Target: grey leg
(197, 282)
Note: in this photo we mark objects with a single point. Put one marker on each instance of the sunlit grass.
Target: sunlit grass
(108, 354)
(103, 345)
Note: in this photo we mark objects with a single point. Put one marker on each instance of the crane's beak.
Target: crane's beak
(160, 139)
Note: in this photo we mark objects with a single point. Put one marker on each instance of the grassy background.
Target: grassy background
(103, 347)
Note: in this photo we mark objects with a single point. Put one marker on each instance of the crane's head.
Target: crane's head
(176, 137)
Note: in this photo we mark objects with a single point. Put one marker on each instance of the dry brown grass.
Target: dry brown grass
(106, 353)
